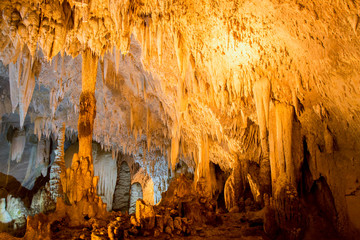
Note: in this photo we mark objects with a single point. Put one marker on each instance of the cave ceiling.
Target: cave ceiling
(178, 75)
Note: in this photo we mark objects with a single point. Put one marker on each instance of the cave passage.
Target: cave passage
(172, 119)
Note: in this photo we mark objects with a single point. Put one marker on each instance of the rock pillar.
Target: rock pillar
(79, 179)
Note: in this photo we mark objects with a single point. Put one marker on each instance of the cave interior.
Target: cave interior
(179, 119)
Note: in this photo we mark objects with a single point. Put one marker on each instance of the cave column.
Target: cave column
(79, 180)
(87, 104)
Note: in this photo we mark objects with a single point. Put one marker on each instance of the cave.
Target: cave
(174, 119)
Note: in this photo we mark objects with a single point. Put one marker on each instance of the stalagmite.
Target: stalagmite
(136, 192)
(121, 201)
(58, 167)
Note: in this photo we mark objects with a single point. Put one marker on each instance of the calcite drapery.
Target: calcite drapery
(286, 158)
(261, 91)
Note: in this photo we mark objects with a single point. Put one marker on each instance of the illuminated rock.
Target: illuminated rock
(5, 216)
(145, 214)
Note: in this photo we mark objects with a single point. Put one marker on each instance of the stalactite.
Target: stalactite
(181, 53)
(280, 139)
(22, 83)
(18, 145)
(27, 86)
(87, 104)
(117, 56)
(174, 152)
(131, 118)
(29, 169)
(159, 40)
(261, 91)
(105, 169)
(205, 175)
(43, 154)
(13, 80)
(106, 68)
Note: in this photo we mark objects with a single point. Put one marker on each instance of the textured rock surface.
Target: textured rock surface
(145, 214)
(136, 193)
(122, 190)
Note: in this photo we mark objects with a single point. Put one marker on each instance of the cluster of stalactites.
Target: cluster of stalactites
(106, 27)
(22, 81)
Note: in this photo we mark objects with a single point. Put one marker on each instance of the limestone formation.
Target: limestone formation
(145, 215)
(217, 108)
(58, 167)
(5, 216)
(122, 191)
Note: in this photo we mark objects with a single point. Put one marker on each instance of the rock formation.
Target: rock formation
(214, 109)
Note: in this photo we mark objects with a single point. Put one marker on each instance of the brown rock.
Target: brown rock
(160, 223)
(145, 215)
(156, 233)
(177, 223)
(168, 230)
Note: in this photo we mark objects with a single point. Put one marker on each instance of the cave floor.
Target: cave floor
(229, 226)
(247, 226)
